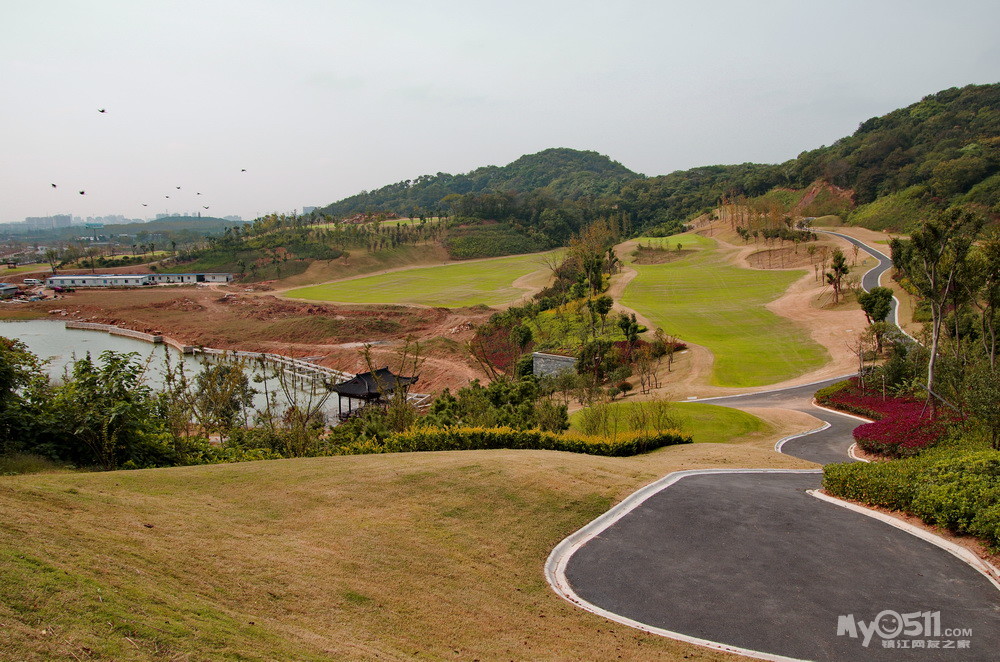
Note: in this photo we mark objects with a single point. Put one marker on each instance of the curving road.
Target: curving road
(750, 562)
(873, 276)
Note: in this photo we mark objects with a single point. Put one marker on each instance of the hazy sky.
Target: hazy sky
(322, 99)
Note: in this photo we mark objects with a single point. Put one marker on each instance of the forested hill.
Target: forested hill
(901, 167)
(898, 168)
(941, 151)
(564, 173)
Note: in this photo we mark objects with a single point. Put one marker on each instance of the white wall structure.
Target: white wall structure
(133, 280)
(100, 280)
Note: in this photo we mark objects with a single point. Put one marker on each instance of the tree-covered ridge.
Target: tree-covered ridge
(902, 167)
(949, 142)
(565, 173)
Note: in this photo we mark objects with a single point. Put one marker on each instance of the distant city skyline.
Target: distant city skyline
(263, 106)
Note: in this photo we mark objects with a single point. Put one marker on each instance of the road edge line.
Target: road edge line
(852, 452)
(781, 442)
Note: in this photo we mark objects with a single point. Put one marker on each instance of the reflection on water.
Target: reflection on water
(51, 341)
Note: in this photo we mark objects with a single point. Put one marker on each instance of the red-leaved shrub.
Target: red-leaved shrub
(902, 426)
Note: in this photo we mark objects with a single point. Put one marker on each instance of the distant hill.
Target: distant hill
(565, 173)
(893, 171)
(942, 150)
(205, 225)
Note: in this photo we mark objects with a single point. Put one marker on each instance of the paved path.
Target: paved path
(749, 561)
(873, 276)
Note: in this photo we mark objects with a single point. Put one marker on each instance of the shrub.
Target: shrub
(902, 425)
(476, 438)
(959, 490)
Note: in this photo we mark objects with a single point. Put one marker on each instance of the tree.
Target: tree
(221, 395)
(602, 306)
(52, 258)
(19, 368)
(105, 413)
(983, 288)
(877, 304)
(838, 269)
(983, 399)
(939, 248)
(522, 336)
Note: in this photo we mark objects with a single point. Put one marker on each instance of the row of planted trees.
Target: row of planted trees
(951, 264)
(105, 412)
(574, 317)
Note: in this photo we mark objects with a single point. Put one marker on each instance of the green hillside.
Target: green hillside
(566, 173)
(907, 164)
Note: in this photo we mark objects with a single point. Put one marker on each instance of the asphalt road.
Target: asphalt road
(824, 447)
(752, 561)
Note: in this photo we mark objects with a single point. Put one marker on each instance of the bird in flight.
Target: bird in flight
(243, 169)
(101, 110)
(197, 193)
(83, 192)
(143, 204)
(166, 196)
(178, 188)
(53, 186)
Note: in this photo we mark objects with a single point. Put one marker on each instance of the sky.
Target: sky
(320, 99)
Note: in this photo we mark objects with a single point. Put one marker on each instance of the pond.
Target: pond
(51, 341)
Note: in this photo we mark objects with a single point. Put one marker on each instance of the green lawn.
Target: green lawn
(704, 422)
(701, 299)
(37, 266)
(488, 282)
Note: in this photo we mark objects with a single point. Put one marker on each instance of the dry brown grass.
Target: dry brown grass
(360, 262)
(435, 555)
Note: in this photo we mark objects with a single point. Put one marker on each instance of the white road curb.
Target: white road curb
(841, 413)
(781, 442)
(853, 452)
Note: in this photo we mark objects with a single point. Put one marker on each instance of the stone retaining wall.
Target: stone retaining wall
(551, 364)
(115, 331)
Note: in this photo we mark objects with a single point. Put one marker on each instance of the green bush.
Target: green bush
(825, 393)
(478, 438)
(478, 241)
(959, 490)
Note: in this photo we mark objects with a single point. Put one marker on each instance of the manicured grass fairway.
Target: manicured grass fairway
(707, 424)
(37, 266)
(701, 299)
(488, 282)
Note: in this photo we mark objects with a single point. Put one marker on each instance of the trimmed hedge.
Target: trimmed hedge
(958, 490)
(476, 438)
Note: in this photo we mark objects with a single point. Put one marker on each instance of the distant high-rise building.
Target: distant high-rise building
(48, 222)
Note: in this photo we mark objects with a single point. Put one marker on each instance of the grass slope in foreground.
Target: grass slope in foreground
(701, 299)
(488, 282)
(436, 555)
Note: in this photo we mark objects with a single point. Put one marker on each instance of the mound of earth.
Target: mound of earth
(788, 257)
